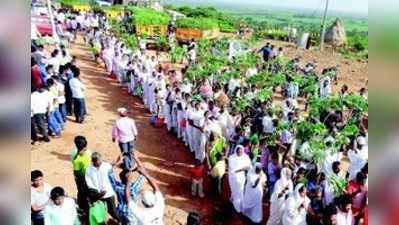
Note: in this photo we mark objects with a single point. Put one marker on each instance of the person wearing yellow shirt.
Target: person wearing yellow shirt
(218, 171)
(81, 161)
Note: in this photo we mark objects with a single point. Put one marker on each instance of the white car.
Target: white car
(39, 10)
(104, 3)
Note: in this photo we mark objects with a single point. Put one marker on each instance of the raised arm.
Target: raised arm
(150, 180)
(143, 171)
(114, 133)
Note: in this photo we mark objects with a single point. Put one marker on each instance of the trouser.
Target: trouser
(63, 111)
(37, 221)
(68, 105)
(196, 187)
(33, 135)
(37, 218)
(126, 147)
(111, 207)
(53, 124)
(40, 121)
(217, 182)
(128, 160)
(81, 186)
(58, 117)
(79, 106)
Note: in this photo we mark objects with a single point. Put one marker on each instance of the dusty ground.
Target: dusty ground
(166, 159)
(353, 73)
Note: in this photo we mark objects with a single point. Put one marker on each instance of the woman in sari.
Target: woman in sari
(296, 207)
(282, 188)
(239, 162)
(253, 194)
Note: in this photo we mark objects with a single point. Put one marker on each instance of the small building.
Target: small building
(156, 4)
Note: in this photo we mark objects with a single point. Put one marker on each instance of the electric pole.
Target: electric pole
(51, 16)
(323, 27)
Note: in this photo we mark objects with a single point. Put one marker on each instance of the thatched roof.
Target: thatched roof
(336, 34)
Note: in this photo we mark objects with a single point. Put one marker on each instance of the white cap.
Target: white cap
(148, 198)
(361, 141)
(122, 110)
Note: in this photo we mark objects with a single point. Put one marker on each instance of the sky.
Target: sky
(348, 6)
(356, 6)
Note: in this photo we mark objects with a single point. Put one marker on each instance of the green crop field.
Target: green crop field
(262, 17)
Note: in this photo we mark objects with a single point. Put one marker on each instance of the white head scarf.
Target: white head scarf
(296, 192)
(238, 162)
(285, 176)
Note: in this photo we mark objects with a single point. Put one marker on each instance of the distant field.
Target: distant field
(265, 18)
(285, 19)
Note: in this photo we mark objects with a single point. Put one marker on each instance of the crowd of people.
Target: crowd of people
(221, 140)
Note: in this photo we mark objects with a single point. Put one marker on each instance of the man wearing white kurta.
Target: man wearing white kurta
(97, 177)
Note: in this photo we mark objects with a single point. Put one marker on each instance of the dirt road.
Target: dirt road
(165, 158)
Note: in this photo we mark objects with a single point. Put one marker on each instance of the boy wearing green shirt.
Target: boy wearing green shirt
(81, 161)
(98, 208)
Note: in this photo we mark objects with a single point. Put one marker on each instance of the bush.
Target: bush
(74, 2)
(197, 23)
(147, 16)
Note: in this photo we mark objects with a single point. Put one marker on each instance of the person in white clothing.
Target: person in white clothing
(40, 105)
(296, 207)
(238, 164)
(39, 195)
(344, 214)
(282, 189)
(253, 194)
(326, 185)
(78, 88)
(325, 88)
(97, 178)
(61, 210)
(54, 60)
(358, 157)
(150, 210)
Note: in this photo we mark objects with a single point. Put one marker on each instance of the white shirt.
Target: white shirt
(80, 19)
(61, 17)
(40, 103)
(251, 71)
(98, 179)
(193, 54)
(61, 88)
(77, 88)
(233, 84)
(64, 214)
(149, 216)
(40, 198)
(267, 123)
(344, 218)
(55, 62)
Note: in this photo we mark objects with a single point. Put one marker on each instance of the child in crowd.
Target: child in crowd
(98, 208)
(197, 174)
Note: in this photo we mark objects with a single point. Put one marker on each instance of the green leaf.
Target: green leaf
(338, 184)
(264, 94)
(356, 102)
